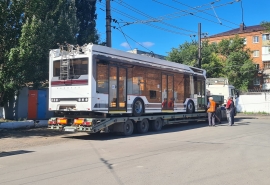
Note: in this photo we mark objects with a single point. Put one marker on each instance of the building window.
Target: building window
(256, 53)
(266, 65)
(266, 36)
(245, 41)
(256, 81)
(257, 66)
(266, 50)
(255, 39)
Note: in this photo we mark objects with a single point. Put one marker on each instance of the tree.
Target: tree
(266, 25)
(187, 54)
(30, 28)
(87, 17)
(229, 59)
(11, 19)
(239, 67)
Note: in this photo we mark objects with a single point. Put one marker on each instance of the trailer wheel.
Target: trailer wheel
(190, 107)
(142, 126)
(156, 124)
(128, 128)
(138, 108)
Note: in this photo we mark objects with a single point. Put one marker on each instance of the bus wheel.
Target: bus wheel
(190, 107)
(142, 126)
(128, 128)
(156, 124)
(137, 107)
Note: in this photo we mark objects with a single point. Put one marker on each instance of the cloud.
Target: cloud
(147, 44)
(125, 45)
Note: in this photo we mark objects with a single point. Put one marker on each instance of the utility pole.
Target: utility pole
(199, 46)
(108, 24)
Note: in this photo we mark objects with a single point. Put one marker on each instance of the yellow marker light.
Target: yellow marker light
(62, 121)
(78, 121)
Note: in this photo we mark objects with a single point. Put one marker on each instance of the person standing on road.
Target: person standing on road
(211, 109)
(230, 109)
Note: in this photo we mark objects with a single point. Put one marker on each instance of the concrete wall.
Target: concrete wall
(254, 102)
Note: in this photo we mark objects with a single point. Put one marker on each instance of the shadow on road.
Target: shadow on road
(44, 132)
(22, 133)
(165, 129)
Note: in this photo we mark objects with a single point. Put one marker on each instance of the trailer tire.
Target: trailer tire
(190, 107)
(138, 107)
(128, 128)
(142, 126)
(156, 125)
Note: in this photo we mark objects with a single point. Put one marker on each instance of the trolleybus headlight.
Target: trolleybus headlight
(79, 99)
(86, 99)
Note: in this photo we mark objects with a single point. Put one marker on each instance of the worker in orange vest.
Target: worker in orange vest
(211, 109)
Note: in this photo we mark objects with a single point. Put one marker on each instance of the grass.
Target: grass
(255, 113)
(2, 120)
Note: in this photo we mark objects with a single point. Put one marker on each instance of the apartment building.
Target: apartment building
(258, 41)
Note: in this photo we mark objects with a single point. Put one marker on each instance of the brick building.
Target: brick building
(257, 40)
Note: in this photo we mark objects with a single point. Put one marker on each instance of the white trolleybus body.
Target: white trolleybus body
(104, 80)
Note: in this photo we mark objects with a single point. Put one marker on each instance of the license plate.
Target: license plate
(70, 129)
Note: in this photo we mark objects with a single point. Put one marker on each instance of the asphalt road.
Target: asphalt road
(179, 154)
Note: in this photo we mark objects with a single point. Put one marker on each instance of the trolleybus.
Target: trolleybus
(99, 79)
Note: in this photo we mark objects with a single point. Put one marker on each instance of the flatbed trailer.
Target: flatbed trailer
(125, 124)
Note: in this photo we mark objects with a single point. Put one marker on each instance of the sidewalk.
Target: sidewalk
(23, 124)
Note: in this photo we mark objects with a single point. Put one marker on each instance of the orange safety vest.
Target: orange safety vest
(212, 107)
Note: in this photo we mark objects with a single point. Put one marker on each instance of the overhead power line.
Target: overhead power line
(119, 29)
(190, 13)
(206, 12)
(146, 15)
(148, 24)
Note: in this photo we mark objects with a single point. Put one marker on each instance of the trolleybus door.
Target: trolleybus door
(117, 89)
(167, 92)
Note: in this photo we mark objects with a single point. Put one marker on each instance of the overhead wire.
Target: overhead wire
(190, 13)
(146, 15)
(132, 39)
(120, 29)
(151, 25)
(204, 11)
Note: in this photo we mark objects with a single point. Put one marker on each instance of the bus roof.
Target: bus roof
(142, 59)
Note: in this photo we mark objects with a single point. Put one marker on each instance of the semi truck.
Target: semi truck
(217, 87)
(95, 88)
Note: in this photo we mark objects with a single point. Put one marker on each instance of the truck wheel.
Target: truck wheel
(142, 126)
(128, 128)
(190, 107)
(156, 124)
(138, 107)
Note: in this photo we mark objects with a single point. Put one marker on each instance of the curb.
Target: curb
(24, 124)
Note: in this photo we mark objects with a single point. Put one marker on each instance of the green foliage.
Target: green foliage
(239, 67)
(229, 58)
(87, 17)
(266, 25)
(29, 29)
(185, 54)
(10, 28)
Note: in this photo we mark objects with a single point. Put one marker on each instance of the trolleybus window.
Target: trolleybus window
(102, 77)
(76, 68)
(139, 80)
(153, 85)
(179, 88)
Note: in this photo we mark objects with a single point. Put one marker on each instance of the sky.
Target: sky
(159, 25)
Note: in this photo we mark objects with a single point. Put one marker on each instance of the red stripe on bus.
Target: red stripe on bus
(70, 82)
